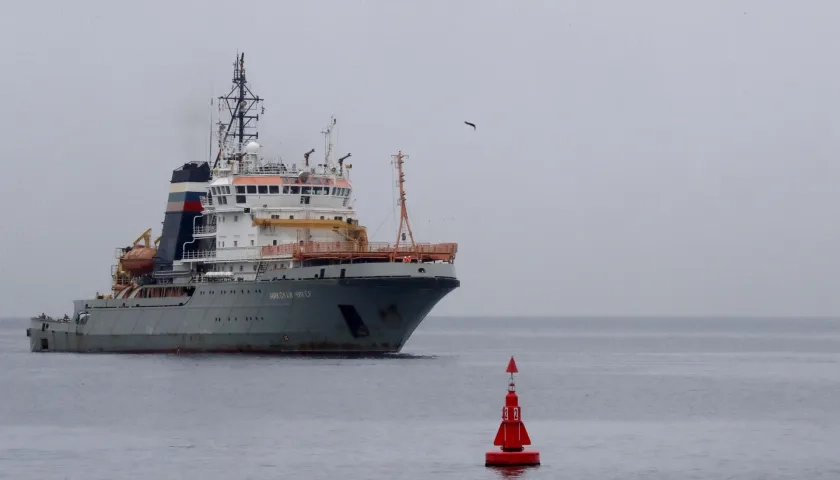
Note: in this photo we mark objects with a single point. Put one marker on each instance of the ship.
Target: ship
(260, 256)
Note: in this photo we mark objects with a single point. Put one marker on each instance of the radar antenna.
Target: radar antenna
(241, 104)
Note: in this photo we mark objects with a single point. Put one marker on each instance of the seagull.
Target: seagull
(470, 124)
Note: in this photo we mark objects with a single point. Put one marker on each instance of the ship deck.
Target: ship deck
(426, 252)
(372, 251)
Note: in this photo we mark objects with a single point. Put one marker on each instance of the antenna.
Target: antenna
(210, 135)
(239, 103)
(328, 143)
(404, 226)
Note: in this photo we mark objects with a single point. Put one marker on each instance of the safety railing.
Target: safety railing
(375, 247)
(432, 251)
(199, 255)
(204, 229)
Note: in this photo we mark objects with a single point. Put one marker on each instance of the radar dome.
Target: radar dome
(252, 148)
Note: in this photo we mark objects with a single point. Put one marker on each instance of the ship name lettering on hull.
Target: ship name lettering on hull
(289, 295)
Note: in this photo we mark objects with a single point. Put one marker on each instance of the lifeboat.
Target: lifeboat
(139, 260)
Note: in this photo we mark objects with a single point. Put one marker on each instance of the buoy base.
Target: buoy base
(499, 458)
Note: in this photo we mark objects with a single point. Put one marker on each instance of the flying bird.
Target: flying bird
(470, 124)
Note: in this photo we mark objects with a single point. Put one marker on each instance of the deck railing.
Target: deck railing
(343, 250)
(373, 247)
(199, 255)
(204, 229)
(435, 251)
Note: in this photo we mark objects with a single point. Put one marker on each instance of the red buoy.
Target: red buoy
(512, 435)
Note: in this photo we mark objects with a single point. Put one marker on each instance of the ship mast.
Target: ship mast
(404, 226)
(240, 104)
(328, 142)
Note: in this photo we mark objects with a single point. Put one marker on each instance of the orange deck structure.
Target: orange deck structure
(420, 252)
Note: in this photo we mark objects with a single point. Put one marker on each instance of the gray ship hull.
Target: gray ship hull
(361, 308)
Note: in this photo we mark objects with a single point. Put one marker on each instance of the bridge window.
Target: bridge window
(306, 191)
(295, 190)
(240, 189)
(252, 188)
(240, 199)
(286, 189)
(262, 189)
(274, 189)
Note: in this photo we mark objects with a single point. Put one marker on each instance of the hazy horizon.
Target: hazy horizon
(591, 317)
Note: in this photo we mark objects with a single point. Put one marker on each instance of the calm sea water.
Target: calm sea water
(602, 399)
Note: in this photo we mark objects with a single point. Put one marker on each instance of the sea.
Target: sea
(602, 398)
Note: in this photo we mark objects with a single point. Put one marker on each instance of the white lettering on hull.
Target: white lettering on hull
(289, 295)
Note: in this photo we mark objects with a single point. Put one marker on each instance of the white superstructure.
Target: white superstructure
(256, 212)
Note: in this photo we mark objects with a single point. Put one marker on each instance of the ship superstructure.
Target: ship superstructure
(261, 256)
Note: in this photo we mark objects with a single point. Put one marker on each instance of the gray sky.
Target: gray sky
(645, 157)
